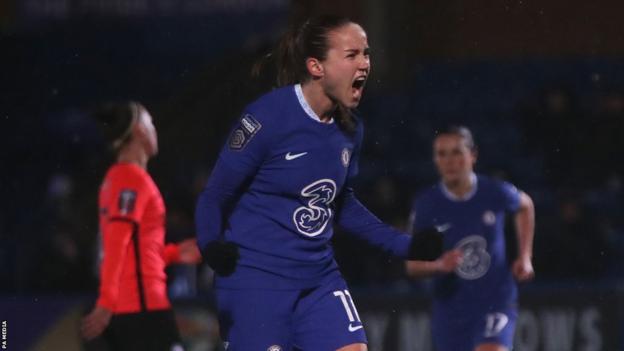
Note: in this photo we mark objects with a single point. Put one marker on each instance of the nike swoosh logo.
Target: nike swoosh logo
(444, 227)
(352, 328)
(290, 157)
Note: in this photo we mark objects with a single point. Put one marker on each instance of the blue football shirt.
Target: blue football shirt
(286, 177)
(475, 225)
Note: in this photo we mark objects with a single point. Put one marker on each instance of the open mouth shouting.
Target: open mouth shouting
(357, 87)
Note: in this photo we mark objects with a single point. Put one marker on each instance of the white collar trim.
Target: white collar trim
(306, 107)
(449, 195)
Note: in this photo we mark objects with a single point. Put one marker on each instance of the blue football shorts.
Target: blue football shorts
(321, 319)
(465, 331)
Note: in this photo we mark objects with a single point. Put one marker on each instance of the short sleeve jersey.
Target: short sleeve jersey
(474, 225)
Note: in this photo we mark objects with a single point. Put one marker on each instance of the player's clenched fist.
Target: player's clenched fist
(95, 322)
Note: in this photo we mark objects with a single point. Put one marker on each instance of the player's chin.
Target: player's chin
(449, 175)
(351, 102)
(451, 178)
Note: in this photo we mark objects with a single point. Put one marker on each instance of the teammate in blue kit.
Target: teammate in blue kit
(475, 294)
(266, 215)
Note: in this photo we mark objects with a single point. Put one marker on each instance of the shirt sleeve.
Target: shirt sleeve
(419, 218)
(238, 162)
(248, 144)
(358, 221)
(171, 254)
(510, 197)
(116, 239)
(129, 200)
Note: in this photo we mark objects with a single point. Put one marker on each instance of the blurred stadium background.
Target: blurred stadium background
(540, 83)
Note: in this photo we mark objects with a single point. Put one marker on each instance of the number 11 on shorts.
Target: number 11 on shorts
(349, 306)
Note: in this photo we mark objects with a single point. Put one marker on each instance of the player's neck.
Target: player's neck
(320, 103)
(133, 153)
(460, 187)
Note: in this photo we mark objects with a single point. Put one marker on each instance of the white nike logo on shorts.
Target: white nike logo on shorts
(352, 328)
(290, 157)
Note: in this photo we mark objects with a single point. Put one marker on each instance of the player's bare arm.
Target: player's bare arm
(525, 228)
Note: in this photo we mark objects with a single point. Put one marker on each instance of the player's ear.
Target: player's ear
(138, 126)
(475, 154)
(315, 67)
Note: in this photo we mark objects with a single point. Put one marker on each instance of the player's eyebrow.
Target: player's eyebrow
(356, 51)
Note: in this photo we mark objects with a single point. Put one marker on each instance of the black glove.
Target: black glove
(221, 256)
(426, 245)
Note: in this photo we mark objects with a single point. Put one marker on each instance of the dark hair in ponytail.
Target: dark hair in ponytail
(115, 120)
(309, 39)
